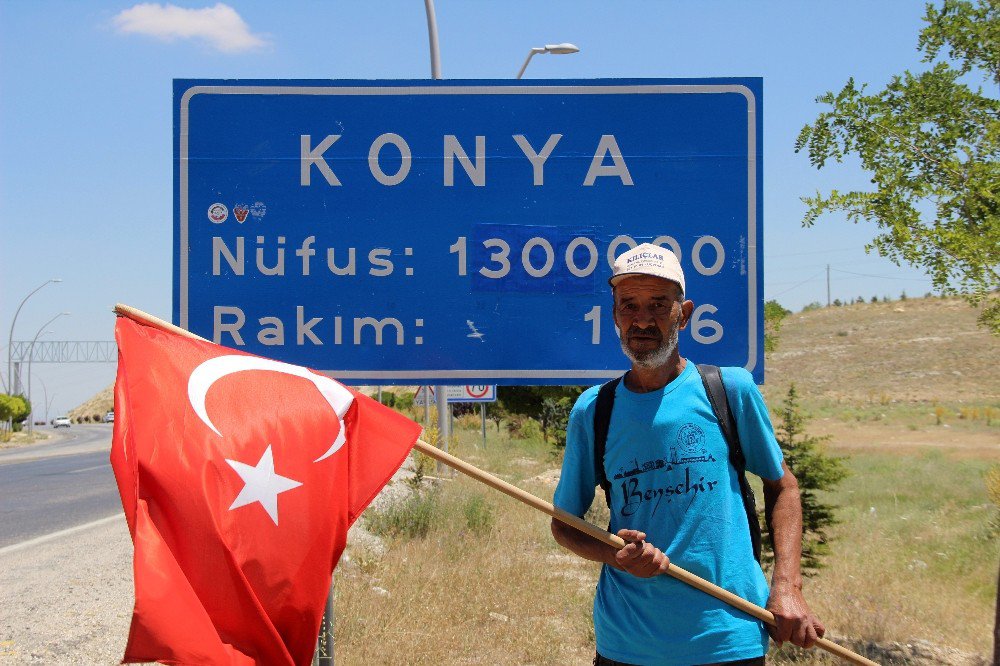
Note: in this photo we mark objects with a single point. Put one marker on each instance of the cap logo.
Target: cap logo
(644, 255)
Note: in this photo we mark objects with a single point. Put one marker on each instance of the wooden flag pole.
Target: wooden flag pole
(604, 536)
(601, 535)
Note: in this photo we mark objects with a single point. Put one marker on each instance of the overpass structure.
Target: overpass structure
(67, 351)
(80, 351)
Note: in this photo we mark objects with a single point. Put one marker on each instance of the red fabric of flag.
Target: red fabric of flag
(239, 477)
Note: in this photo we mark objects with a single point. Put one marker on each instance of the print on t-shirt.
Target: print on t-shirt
(688, 450)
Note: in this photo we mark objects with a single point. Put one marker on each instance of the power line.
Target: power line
(881, 277)
(809, 279)
(798, 254)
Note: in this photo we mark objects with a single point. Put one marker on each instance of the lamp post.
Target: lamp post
(432, 36)
(48, 403)
(10, 338)
(31, 353)
(554, 49)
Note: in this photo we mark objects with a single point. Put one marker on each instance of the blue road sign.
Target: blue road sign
(442, 232)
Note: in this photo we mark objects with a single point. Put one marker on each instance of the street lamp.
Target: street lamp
(554, 49)
(48, 403)
(10, 338)
(432, 36)
(31, 353)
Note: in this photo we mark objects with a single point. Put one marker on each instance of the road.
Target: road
(46, 488)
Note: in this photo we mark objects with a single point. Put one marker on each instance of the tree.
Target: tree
(774, 315)
(496, 413)
(13, 409)
(815, 471)
(530, 401)
(930, 143)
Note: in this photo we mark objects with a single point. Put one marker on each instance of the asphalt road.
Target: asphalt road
(45, 488)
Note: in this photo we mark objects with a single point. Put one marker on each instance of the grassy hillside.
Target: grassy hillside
(926, 350)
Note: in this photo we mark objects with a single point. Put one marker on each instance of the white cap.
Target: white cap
(648, 259)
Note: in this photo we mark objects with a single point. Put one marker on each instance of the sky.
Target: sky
(86, 123)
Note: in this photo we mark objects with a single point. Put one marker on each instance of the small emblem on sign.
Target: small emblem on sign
(240, 212)
(258, 210)
(218, 213)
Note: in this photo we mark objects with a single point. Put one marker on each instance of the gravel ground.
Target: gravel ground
(69, 600)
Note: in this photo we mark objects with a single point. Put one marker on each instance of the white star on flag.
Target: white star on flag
(261, 484)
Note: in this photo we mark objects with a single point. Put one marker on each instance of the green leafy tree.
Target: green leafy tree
(531, 401)
(496, 413)
(555, 415)
(774, 315)
(13, 410)
(816, 472)
(930, 142)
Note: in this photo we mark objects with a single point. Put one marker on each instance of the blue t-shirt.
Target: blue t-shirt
(668, 465)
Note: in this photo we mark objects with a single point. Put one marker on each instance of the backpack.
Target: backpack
(711, 378)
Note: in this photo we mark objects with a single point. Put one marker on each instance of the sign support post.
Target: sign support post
(444, 431)
(482, 411)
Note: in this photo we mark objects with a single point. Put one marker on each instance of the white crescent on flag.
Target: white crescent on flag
(212, 370)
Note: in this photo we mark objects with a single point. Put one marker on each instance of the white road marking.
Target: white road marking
(87, 469)
(61, 533)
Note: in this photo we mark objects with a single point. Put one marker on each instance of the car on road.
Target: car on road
(61, 421)
(110, 417)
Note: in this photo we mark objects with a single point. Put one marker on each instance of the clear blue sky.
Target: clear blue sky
(86, 122)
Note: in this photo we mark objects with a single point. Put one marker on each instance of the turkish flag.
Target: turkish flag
(239, 477)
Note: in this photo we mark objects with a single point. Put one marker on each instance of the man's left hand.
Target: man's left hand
(795, 621)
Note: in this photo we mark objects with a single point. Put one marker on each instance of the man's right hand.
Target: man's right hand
(639, 557)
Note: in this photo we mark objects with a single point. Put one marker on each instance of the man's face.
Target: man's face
(649, 311)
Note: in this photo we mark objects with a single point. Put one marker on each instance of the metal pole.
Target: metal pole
(324, 644)
(427, 407)
(441, 397)
(45, 393)
(432, 36)
(31, 353)
(527, 60)
(828, 285)
(10, 338)
(482, 411)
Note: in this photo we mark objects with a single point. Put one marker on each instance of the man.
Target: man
(674, 494)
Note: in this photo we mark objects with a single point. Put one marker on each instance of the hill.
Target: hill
(926, 350)
(95, 408)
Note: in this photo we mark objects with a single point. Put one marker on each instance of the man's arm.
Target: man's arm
(638, 557)
(783, 512)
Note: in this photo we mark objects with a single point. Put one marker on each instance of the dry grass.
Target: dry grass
(921, 566)
(915, 556)
(458, 596)
(915, 351)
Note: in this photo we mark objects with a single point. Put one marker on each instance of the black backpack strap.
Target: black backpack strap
(711, 377)
(602, 423)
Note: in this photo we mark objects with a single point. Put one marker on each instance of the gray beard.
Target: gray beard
(654, 358)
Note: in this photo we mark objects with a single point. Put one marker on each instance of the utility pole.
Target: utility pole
(828, 285)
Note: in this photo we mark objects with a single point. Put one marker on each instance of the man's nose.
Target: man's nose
(644, 318)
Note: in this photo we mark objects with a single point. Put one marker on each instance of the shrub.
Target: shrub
(411, 518)
(404, 401)
(469, 422)
(478, 515)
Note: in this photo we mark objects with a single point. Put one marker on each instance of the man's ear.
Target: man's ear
(687, 308)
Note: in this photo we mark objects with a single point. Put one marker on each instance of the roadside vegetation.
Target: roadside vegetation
(471, 576)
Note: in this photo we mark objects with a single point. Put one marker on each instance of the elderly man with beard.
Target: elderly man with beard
(675, 494)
